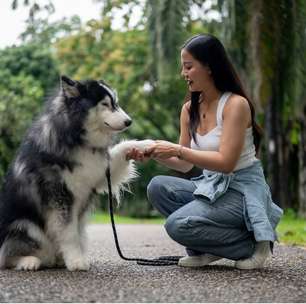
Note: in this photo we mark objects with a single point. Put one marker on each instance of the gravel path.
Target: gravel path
(111, 279)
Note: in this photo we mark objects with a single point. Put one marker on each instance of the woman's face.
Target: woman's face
(198, 76)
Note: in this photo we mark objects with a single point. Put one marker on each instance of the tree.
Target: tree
(26, 74)
(266, 40)
(300, 89)
(30, 59)
(121, 59)
(34, 6)
(166, 32)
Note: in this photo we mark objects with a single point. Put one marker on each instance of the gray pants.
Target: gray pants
(201, 227)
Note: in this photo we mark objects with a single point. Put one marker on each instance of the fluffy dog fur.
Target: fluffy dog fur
(59, 168)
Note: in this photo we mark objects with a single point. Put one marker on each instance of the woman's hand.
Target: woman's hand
(135, 154)
(163, 150)
(138, 155)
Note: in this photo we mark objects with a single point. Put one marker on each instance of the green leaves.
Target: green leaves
(30, 59)
(35, 7)
(166, 28)
(27, 73)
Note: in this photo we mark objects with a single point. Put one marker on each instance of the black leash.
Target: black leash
(161, 261)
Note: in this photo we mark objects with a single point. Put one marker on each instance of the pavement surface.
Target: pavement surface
(111, 279)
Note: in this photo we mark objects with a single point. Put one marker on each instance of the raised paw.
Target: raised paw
(142, 145)
(28, 263)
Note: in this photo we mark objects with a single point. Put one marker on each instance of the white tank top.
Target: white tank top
(211, 140)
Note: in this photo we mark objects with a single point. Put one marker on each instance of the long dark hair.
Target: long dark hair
(210, 52)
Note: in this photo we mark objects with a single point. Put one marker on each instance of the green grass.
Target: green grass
(291, 229)
(99, 218)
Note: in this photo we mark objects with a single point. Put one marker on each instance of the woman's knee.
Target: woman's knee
(153, 189)
(176, 227)
(156, 189)
(187, 230)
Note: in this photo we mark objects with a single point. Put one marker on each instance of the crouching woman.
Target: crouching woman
(227, 211)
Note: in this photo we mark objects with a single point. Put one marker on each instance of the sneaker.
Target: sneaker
(258, 259)
(197, 260)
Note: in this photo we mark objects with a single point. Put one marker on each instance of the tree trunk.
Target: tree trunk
(272, 38)
(302, 166)
(270, 131)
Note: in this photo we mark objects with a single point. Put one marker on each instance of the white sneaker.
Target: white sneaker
(197, 260)
(258, 259)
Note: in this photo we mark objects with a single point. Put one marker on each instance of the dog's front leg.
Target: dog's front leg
(65, 231)
(122, 170)
(72, 250)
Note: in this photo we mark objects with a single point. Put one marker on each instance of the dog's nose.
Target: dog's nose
(128, 122)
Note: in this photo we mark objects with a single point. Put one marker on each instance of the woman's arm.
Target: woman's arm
(236, 118)
(174, 162)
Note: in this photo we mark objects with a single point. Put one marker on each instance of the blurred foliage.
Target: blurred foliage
(30, 60)
(266, 41)
(35, 7)
(42, 31)
(122, 60)
(20, 97)
(26, 74)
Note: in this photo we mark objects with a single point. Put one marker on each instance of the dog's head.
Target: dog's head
(99, 101)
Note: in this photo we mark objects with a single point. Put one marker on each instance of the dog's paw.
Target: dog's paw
(77, 264)
(28, 263)
(123, 147)
(142, 145)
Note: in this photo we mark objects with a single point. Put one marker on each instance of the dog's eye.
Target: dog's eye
(105, 104)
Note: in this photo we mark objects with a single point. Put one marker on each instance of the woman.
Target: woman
(227, 212)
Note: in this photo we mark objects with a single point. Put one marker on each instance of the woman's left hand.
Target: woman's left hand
(163, 149)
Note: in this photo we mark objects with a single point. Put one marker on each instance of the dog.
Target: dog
(59, 168)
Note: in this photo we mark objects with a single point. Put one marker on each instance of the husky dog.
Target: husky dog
(60, 165)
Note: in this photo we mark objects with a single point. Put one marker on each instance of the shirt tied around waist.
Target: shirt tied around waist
(261, 213)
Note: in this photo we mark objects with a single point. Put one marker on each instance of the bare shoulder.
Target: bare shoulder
(237, 104)
(238, 107)
(185, 112)
(186, 106)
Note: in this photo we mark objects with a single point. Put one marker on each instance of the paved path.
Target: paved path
(111, 279)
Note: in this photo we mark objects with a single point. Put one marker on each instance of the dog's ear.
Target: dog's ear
(69, 87)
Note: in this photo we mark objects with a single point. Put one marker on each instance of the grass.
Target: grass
(99, 218)
(291, 229)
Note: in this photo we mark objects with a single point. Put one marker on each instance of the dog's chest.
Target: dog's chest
(88, 173)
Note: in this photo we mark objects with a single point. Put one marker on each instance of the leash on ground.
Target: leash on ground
(161, 261)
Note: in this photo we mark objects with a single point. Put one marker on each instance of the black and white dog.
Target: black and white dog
(60, 166)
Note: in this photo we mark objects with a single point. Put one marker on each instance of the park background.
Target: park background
(266, 41)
